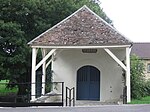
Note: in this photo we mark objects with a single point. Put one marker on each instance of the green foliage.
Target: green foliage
(143, 100)
(48, 79)
(147, 87)
(6, 91)
(138, 89)
(12, 50)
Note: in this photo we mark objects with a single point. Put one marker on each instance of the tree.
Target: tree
(23, 20)
(138, 89)
(13, 53)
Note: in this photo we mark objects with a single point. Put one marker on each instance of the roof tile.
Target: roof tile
(83, 28)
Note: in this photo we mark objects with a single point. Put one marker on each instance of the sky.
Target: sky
(130, 17)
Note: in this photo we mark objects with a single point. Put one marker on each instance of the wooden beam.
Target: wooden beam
(43, 71)
(49, 62)
(45, 58)
(116, 59)
(53, 58)
(33, 75)
(128, 74)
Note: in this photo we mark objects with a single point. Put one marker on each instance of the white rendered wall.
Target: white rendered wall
(68, 61)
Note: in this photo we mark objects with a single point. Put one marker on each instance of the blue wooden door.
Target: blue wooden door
(88, 83)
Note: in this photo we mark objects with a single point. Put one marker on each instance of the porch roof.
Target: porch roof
(82, 28)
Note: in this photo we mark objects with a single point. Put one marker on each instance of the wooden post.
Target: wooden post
(33, 76)
(128, 74)
(43, 72)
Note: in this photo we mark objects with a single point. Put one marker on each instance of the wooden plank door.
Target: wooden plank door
(88, 83)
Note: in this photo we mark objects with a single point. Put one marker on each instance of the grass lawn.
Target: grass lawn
(6, 91)
(144, 100)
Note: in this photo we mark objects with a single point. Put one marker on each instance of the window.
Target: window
(148, 67)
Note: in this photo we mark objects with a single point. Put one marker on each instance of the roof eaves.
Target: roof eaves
(81, 46)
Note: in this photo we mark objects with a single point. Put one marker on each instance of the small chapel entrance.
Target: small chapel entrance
(88, 83)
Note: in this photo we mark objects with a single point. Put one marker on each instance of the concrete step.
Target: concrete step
(93, 103)
(49, 97)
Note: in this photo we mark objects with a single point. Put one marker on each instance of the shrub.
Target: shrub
(138, 84)
(147, 87)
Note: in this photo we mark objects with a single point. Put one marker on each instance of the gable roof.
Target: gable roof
(141, 50)
(82, 28)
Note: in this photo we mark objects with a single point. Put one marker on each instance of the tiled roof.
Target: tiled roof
(142, 50)
(82, 28)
